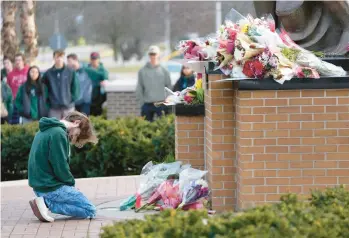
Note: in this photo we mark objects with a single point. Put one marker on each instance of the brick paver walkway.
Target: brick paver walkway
(18, 221)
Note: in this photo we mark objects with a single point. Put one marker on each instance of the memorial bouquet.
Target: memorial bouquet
(168, 186)
(247, 47)
(190, 96)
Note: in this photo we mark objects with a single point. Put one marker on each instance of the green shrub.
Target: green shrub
(325, 216)
(125, 145)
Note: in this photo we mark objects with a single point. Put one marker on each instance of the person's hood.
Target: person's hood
(46, 123)
(101, 65)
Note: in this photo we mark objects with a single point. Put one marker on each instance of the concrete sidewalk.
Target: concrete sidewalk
(18, 221)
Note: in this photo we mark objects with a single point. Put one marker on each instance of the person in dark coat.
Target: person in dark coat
(187, 79)
(31, 100)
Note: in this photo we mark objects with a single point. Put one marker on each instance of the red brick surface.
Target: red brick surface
(290, 141)
(190, 140)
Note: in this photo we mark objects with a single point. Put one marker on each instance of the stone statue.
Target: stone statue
(317, 26)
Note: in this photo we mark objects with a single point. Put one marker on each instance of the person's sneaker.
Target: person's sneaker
(40, 210)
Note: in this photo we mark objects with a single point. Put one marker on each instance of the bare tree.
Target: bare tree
(9, 43)
(28, 28)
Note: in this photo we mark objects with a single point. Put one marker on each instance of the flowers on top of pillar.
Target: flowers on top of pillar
(247, 47)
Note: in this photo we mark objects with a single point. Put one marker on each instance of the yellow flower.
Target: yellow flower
(198, 84)
(244, 28)
(122, 132)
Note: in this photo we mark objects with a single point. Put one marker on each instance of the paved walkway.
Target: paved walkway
(18, 221)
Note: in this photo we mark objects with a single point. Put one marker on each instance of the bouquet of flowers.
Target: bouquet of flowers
(193, 192)
(195, 95)
(151, 177)
(247, 47)
(168, 194)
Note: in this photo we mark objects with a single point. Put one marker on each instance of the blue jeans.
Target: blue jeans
(15, 116)
(68, 201)
(149, 110)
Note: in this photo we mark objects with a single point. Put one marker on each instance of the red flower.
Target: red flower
(253, 68)
(247, 70)
(258, 69)
(188, 99)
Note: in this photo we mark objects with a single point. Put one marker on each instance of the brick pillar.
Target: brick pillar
(190, 140)
(290, 141)
(220, 142)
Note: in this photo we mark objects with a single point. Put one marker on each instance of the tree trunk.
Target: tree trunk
(29, 31)
(9, 43)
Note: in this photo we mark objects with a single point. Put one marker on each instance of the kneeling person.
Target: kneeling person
(48, 167)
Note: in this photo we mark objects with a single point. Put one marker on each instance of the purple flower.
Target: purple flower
(193, 192)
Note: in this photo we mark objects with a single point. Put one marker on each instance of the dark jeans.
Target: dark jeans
(97, 101)
(148, 111)
(4, 120)
(15, 116)
(84, 108)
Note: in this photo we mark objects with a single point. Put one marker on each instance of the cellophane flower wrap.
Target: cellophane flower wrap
(169, 193)
(193, 192)
(151, 177)
(247, 47)
(188, 175)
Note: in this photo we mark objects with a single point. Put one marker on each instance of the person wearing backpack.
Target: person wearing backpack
(152, 80)
(31, 100)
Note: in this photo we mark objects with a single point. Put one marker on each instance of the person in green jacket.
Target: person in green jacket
(6, 102)
(31, 100)
(7, 68)
(48, 167)
(88, 77)
(98, 94)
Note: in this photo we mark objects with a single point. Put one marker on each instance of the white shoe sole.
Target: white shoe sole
(37, 212)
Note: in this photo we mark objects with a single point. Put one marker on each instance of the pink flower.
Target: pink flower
(305, 72)
(188, 99)
(232, 34)
(230, 46)
(194, 51)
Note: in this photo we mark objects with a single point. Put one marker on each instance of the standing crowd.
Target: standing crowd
(28, 95)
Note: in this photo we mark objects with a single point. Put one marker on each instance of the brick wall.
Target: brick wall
(261, 144)
(290, 141)
(122, 104)
(190, 140)
(220, 143)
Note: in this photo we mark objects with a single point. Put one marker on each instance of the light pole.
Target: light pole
(218, 14)
(167, 28)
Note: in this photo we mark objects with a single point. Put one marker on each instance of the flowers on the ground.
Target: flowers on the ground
(169, 193)
(193, 192)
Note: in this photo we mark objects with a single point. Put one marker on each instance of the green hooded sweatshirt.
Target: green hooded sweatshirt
(48, 166)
